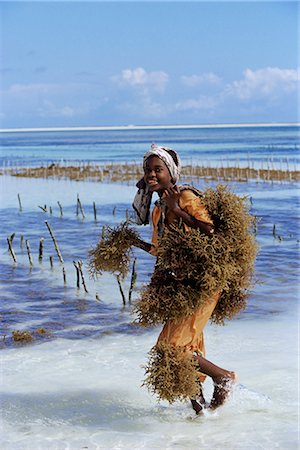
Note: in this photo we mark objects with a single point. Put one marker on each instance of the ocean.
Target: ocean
(271, 146)
(79, 384)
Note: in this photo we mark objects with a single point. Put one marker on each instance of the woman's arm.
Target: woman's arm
(192, 222)
(171, 197)
(143, 245)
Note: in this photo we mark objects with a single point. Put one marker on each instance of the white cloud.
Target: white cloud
(140, 90)
(49, 99)
(140, 78)
(258, 88)
(145, 109)
(49, 109)
(203, 103)
(204, 78)
(34, 89)
(266, 82)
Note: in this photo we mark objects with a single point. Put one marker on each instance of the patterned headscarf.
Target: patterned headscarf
(142, 200)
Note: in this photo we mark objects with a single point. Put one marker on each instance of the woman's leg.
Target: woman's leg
(222, 379)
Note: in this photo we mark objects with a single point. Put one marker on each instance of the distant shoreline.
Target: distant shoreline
(150, 127)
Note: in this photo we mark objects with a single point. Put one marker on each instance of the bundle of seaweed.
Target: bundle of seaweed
(22, 336)
(171, 373)
(113, 251)
(191, 267)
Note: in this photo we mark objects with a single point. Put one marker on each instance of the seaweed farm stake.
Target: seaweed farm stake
(77, 274)
(60, 208)
(95, 211)
(80, 207)
(50, 210)
(55, 243)
(121, 289)
(77, 206)
(21, 240)
(132, 281)
(11, 250)
(20, 204)
(274, 230)
(41, 249)
(29, 253)
(80, 263)
(51, 261)
(43, 208)
(64, 275)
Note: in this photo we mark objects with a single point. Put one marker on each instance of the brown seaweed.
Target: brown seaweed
(191, 267)
(171, 373)
(22, 336)
(113, 251)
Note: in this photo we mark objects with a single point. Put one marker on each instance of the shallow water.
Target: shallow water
(86, 393)
(78, 386)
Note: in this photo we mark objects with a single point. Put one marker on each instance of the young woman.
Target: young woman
(161, 172)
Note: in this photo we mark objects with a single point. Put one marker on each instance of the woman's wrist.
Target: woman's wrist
(176, 210)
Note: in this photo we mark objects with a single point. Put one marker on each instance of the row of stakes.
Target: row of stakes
(79, 207)
(77, 264)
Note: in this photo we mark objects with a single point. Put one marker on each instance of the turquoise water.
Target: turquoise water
(256, 146)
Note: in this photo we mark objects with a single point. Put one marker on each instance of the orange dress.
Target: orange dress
(188, 331)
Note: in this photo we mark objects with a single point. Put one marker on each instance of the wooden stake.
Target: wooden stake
(55, 243)
(121, 289)
(274, 230)
(28, 252)
(95, 211)
(20, 204)
(132, 281)
(77, 274)
(64, 275)
(41, 249)
(80, 263)
(11, 250)
(21, 241)
(43, 208)
(80, 206)
(60, 208)
(77, 206)
(51, 261)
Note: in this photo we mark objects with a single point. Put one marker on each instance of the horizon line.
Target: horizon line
(149, 127)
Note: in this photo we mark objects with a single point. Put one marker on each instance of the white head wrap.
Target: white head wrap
(142, 200)
(165, 156)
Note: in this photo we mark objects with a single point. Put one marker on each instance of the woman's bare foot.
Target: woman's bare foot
(199, 402)
(223, 385)
(197, 407)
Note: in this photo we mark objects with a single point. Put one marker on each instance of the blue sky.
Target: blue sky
(123, 63)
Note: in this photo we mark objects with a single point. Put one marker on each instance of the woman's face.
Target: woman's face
(157, 175)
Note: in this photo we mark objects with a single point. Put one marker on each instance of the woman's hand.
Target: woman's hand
(171, 198)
